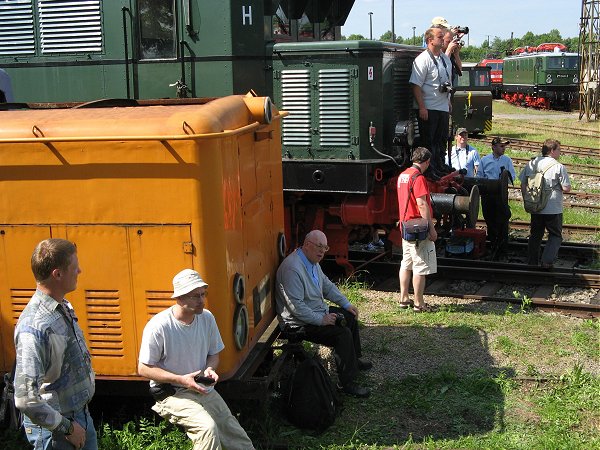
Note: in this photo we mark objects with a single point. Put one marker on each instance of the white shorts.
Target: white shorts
(421, 258)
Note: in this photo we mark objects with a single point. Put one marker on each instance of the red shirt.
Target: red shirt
(420, 188)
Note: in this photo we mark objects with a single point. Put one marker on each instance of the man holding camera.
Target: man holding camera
(452, 44)
(180, 355)
(431, 80)
(301, 290)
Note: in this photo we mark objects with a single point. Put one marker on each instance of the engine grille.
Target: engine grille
(295, 96)
(334, 107)
(16, 28)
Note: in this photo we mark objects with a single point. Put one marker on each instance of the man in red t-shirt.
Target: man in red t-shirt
(418, 257)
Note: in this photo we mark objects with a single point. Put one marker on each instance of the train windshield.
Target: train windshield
(495, 66)
(473, 77)
(562, 62)
(157, 29)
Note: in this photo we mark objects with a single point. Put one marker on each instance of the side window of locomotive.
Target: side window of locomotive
(463, 80)
(281, 25)
(481, 78)
(327, 30)
(306, 30)
(157, 29)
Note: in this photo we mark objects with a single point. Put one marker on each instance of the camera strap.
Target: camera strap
(437, 67)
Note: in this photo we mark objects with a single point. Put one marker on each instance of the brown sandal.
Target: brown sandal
(425, 308)
(406, 305)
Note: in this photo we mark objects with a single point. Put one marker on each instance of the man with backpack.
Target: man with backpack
(544, 200)
(301, 290)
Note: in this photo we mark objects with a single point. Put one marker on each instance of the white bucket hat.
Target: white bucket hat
(186, 281)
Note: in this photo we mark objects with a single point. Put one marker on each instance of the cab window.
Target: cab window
(158, 38)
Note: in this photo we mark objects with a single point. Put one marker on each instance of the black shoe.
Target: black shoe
(363, 364)
(356, 390)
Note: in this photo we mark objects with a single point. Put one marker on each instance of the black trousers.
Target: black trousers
(540, 223)
(344, 340)
(496, 215)
(434, 135)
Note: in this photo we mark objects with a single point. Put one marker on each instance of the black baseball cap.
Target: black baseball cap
(499, 140)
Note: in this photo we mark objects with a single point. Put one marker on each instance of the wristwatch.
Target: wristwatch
(69, 432)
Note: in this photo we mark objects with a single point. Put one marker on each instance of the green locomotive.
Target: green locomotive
(68, 50)
(544, 77)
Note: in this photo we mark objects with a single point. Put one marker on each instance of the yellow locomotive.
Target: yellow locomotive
(145, 191)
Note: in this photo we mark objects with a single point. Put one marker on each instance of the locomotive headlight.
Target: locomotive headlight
(240, 326)
(404, 134)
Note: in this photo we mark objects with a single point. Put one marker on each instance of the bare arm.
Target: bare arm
(161, 375)
(418, 94)
(426, 214)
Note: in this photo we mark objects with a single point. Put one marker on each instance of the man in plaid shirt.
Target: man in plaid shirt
(54, 380)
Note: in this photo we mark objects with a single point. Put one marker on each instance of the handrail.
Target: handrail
(177, 137)
(124, 11)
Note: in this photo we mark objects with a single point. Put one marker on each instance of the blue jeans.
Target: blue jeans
(44, 439)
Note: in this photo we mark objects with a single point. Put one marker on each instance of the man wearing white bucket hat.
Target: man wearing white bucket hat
(180, 355)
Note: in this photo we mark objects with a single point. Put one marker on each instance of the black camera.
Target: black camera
(461, 30)
(458, 41)
(340, 320)
(446, 87)
(201, 379)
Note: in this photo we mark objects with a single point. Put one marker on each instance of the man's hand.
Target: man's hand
(77, 437)
(432, 234)
(353, 309)
(188, 380)
(453, 47)
(329, 319)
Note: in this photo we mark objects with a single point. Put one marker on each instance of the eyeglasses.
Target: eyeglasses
(325, 248)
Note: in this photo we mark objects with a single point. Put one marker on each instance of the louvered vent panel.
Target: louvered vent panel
(334, 107)
(16, 28)
(402, 89)
(19, 299)
(105, 324)
(68, 26)
(295, 98)
(156, 301)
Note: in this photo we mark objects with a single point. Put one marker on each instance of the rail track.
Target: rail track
(547, 128)
(588, 170)
(534, 146)
(589, 200)
(510, 280)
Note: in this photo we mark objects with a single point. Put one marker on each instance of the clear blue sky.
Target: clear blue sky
(483, 17)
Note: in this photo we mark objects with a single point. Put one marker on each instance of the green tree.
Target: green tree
(356, 37)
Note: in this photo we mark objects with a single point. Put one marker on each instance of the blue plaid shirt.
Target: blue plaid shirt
(54, 375)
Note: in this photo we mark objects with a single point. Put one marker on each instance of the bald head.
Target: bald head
(315, 246)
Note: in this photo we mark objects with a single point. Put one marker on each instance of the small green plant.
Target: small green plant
(526, 301)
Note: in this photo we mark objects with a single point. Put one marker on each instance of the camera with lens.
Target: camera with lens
(458, 41)
(460, 32)
(446, 87)
(340, 320)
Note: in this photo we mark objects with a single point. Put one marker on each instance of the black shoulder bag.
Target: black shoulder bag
(413, 229)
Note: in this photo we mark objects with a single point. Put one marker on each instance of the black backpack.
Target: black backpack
(313, 401)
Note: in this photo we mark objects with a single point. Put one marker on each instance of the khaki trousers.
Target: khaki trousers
(207, 420)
